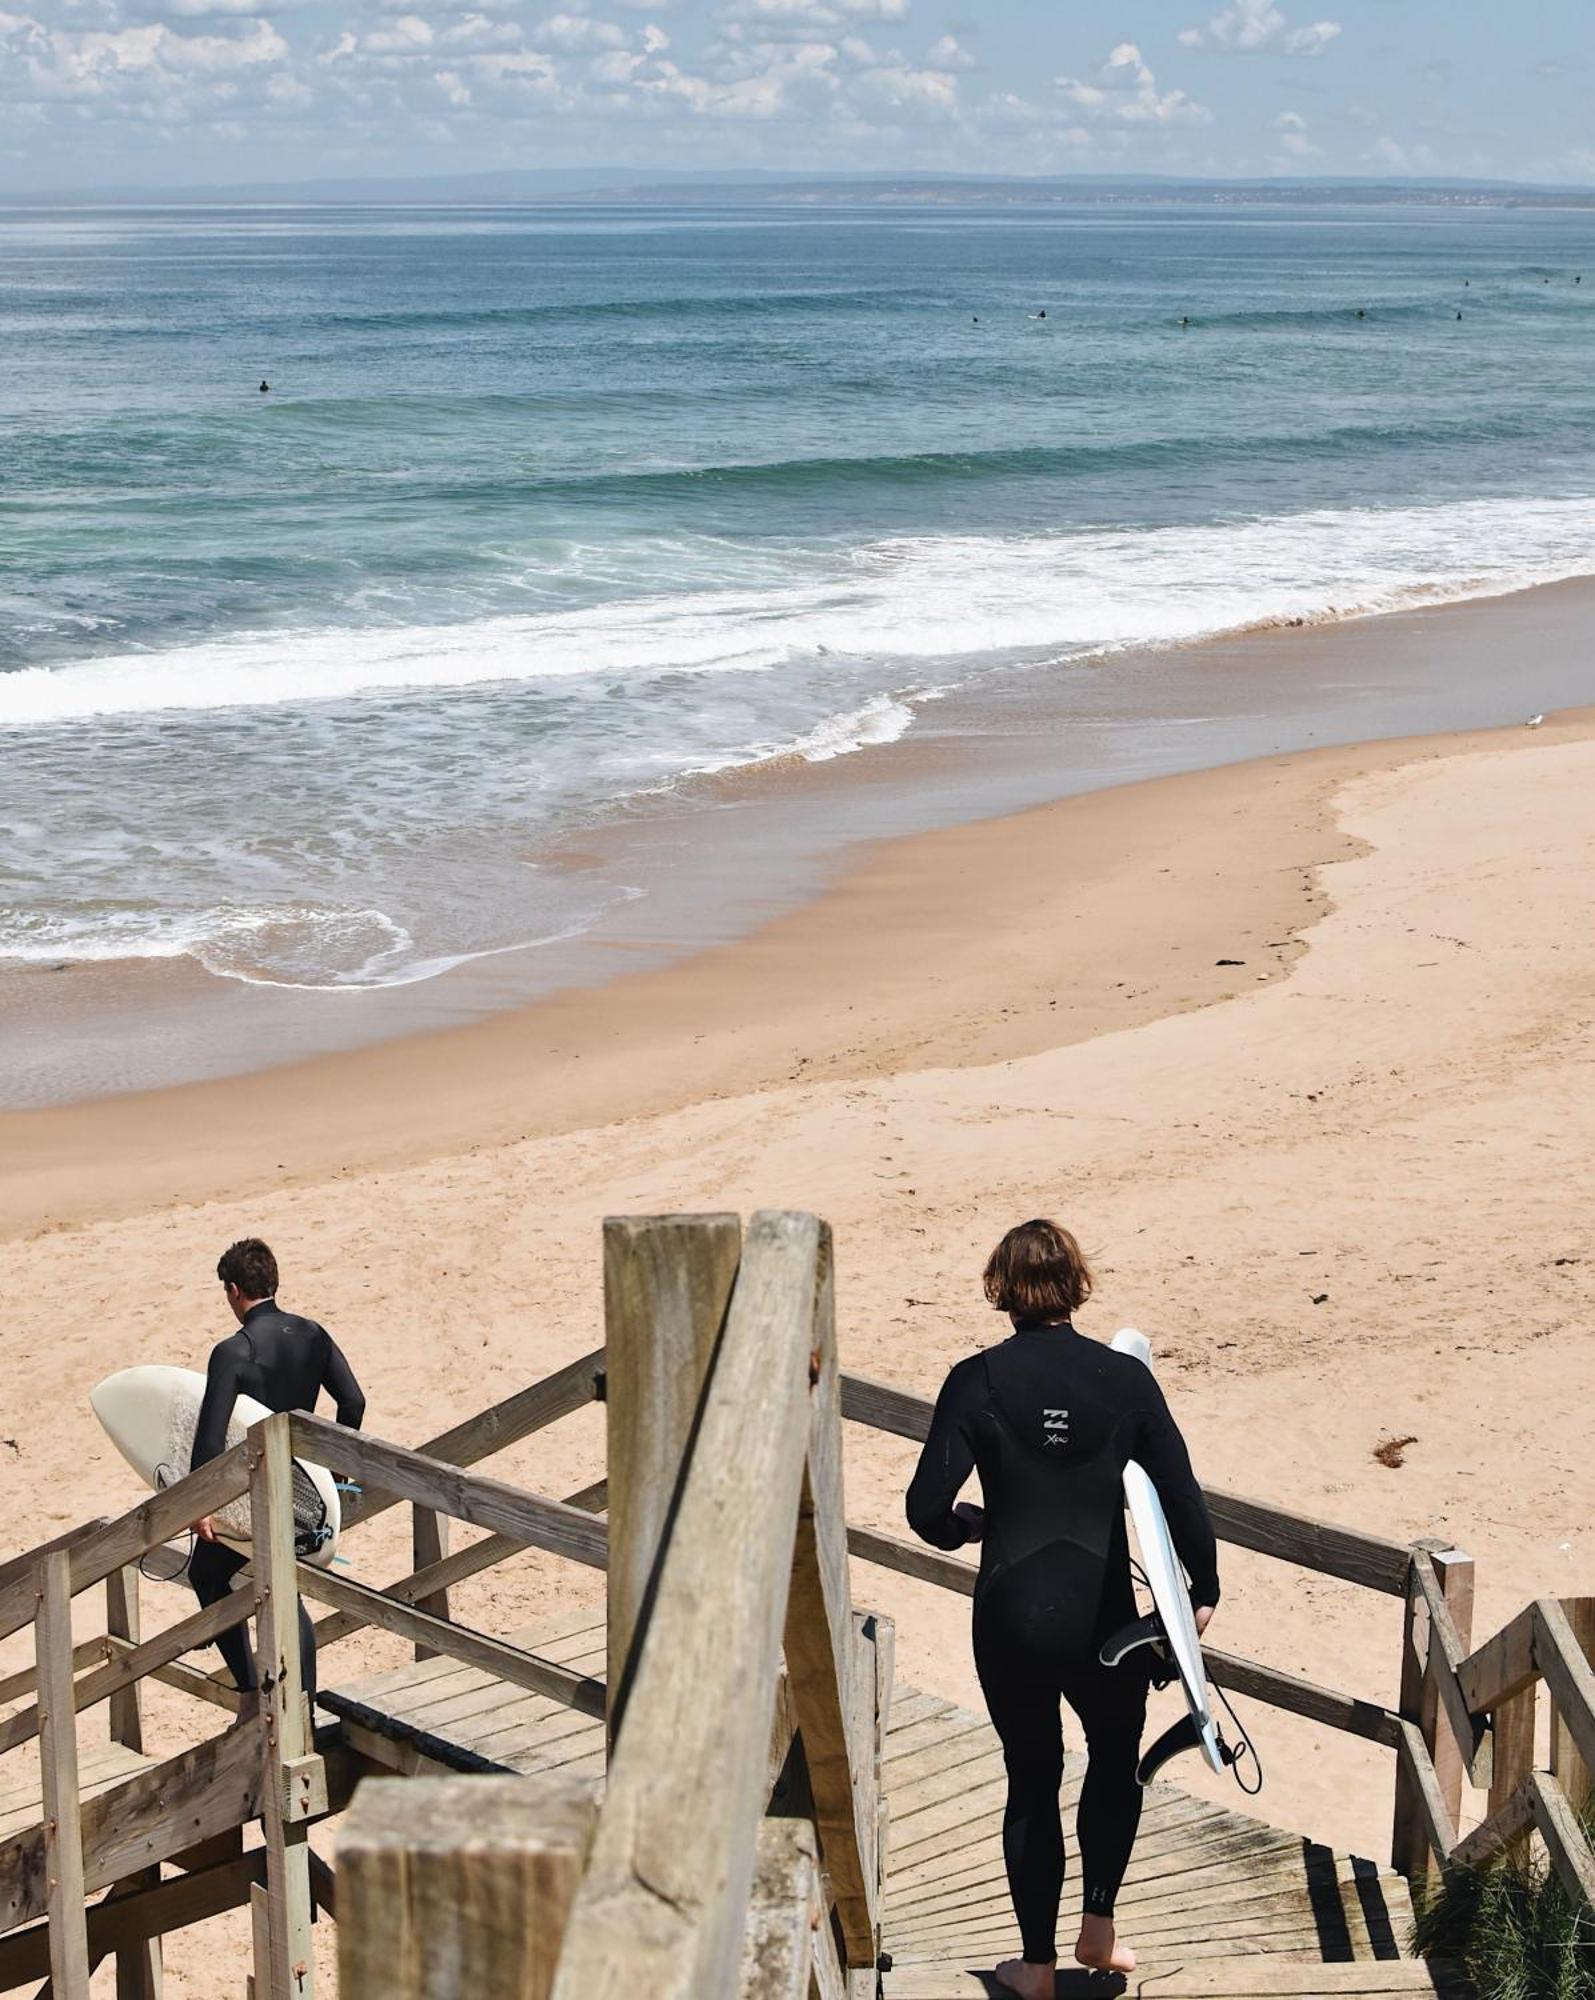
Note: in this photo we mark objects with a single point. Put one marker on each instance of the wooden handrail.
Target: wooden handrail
(1324, 1546)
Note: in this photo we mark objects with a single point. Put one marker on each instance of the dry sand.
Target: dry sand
(1344, 1185)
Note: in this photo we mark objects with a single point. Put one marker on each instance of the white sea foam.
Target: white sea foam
(910, 599)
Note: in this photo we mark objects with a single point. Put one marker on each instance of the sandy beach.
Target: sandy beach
(1301, 1048)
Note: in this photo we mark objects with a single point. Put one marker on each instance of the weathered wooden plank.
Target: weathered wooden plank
(1438, 1826)
(285, 1735)
(429, 1543)
(1561, 1655)
(126, 1922)
(1512, 1727)
(493, 1430)
(912, 1559)
(154, 1816)
(485, 1503)
(778, 1945)
(1508, 1820)
(138, 1964)
(26, 1679)
(492, 1656)
(1460, 1742)
(112, 1545)
(838, 1744)
(667, 1284)
(196, 1682)
(1564, 1839)
(450, 1887)
(131, 1663)
(662, 1907)
(1501, 1667)
(1324, 1546)
(1347, 1712)
(58, 1771)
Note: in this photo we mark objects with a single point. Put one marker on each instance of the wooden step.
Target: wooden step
(1241, 1978)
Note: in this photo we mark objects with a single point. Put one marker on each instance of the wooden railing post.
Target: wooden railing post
(58, 1766)
(661, 1908)
(1420, 1703)
(138, 1966)
(289, 1775)
(667, 1283)
(429, 1543)
(458, 1888)
(1568, 1766)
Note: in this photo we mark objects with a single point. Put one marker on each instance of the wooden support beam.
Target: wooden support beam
(1508, 1821)
(1564, 1635)
(290, 1969)
(124, 1921)
(838, 1742)
(1446, 1576)
(58, 1769)
(456, 1887)
(454, 1568)
(662, 1906)
(912, 1559)
(130, 1664)
(1559, 1828)
(784, 1911)
(667, 1284)
(122, 1622)
(489, 1431)
(25, 1680)
(1460, 1740)
(201, 1685)
(1501, 1667)
(1324, 1546)
(494, 1656)
(156, 1815)
(1512, 1760)
(1439, 1827)
(429, 1543)
(485, 1503)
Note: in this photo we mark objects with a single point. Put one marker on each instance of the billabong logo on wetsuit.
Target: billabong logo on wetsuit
(1055, 1423)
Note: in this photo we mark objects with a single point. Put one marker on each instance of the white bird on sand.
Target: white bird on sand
(1534, 721)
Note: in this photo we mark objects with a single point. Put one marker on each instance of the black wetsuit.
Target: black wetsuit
(284, 1362)
(1049, 1419)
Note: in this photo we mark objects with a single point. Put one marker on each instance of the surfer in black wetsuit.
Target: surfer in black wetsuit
(284, 1362)
(1048, 1419)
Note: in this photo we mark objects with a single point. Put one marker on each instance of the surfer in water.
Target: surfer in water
(1048, 1418)
(284, 1362)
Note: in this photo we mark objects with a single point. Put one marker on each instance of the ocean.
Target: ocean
(548, 514)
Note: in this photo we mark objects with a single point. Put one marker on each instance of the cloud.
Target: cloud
(814, 13)
(574, 33)
(949, 53)
(1125, 93)
(1293, 138)
(1247, 26)
(1388, 152)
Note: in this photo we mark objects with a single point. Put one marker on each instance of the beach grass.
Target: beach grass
(1513, 1928)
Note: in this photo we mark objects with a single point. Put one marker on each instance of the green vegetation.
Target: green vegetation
(1512, 1928)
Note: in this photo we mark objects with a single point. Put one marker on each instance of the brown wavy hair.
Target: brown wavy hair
(1038, 1271)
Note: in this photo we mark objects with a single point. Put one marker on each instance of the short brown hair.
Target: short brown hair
(1038, 1271)
(250, 1266)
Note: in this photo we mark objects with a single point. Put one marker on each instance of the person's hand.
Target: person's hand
(973, 1518)
(1203, 1614)
(205, 1528)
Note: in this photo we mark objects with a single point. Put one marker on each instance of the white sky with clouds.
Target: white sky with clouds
(123, 92)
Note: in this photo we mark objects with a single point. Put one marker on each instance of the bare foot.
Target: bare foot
(1030, 1978)
(1099, 1947)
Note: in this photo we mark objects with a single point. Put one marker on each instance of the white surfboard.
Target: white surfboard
(150, 1413)
(1166, 1580)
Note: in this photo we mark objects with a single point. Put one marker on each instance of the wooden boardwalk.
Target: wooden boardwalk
(1216, 1902)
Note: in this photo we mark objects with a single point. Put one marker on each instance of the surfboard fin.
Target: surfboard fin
(1176, 1739)
(1147, 1631)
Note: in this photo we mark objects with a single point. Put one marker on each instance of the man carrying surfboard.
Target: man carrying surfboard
(284, 1362)
(1050, 1419)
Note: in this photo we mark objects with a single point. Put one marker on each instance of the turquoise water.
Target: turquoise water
(547, 511)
